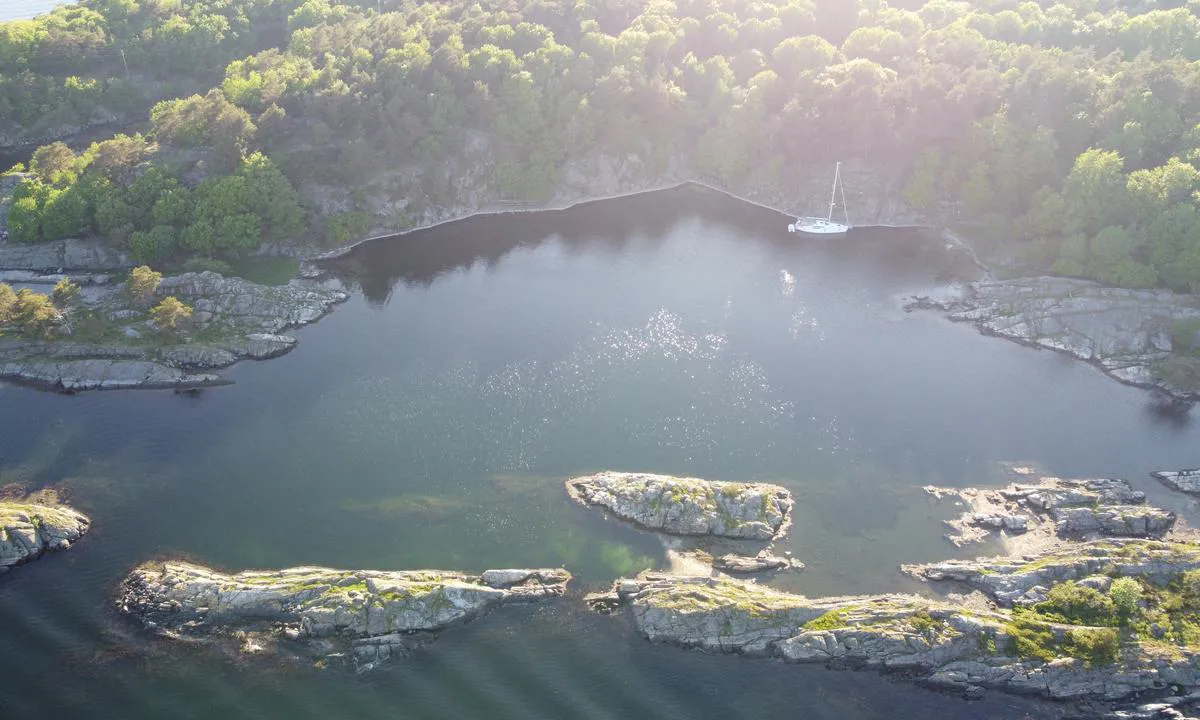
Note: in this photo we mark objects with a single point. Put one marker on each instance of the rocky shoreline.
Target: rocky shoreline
(28, 530)
(361, 617)
(233, 320)
(1128, 334)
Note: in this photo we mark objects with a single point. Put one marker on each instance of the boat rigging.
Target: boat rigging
(826, 226)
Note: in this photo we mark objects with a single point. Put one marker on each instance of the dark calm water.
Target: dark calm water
(430, 422)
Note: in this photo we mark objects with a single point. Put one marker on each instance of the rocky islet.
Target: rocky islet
(689, 506)
(30, 529)
(362, 616)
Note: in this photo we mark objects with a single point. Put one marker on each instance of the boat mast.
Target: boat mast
(842, 190)
(833, 191)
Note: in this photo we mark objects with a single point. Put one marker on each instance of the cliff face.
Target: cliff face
(401, 200)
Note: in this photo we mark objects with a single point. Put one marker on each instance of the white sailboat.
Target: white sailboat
(826, 226)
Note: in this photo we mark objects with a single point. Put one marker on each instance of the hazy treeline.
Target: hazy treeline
(1068, 129)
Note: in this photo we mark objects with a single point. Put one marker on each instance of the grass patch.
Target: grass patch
(922, 622)
(1031, 638)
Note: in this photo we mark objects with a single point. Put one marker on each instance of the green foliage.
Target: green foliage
(1031, 639)
(143, 283)
(1071, 127)
(831, 620)
(25, 216)
(65, 213)
(344, 227)
(1078, 605)
(1096, 646)
(8, 305)
(155, 246)
(51, 162)
(922, 622)
(169, 314)
(35, 313)
(65, 293)
(1125, 594)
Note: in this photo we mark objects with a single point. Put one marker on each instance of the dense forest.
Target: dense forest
(1067, 132)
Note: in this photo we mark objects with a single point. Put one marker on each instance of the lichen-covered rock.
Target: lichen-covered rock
(1113, 521)
(1010, 581)
(252, 307)
(935, 643)
(1187, 481)
(1052, 493)
(28, 530)
(689, 506)
(369, 613)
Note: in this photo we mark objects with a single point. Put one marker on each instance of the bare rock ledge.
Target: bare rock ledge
(1187, 481)
(689, 506)
(361, 615)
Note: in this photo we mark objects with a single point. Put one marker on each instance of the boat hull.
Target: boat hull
(818, 226)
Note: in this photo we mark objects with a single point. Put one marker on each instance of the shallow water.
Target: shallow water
(431, 420)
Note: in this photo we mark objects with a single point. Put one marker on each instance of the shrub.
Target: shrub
(143, 283)
(1097, 646)
(1077, 605)
(35, 313)
(8, 304)
(65, 293)
(169, 313)
(1125, 594)
(1186, 595)
(829, 621)
(1031, 639)
(155, 246)
(923, 622)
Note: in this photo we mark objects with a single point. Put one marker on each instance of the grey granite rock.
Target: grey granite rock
(1127, 333)
(1113, 521)
(746, 565)
(62, 255)
(27, 530)
(102, 374)
(689, 506)
(935, 643)
(1007, 580)
(1187, 481)
(1078, 509)
(365, 615)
